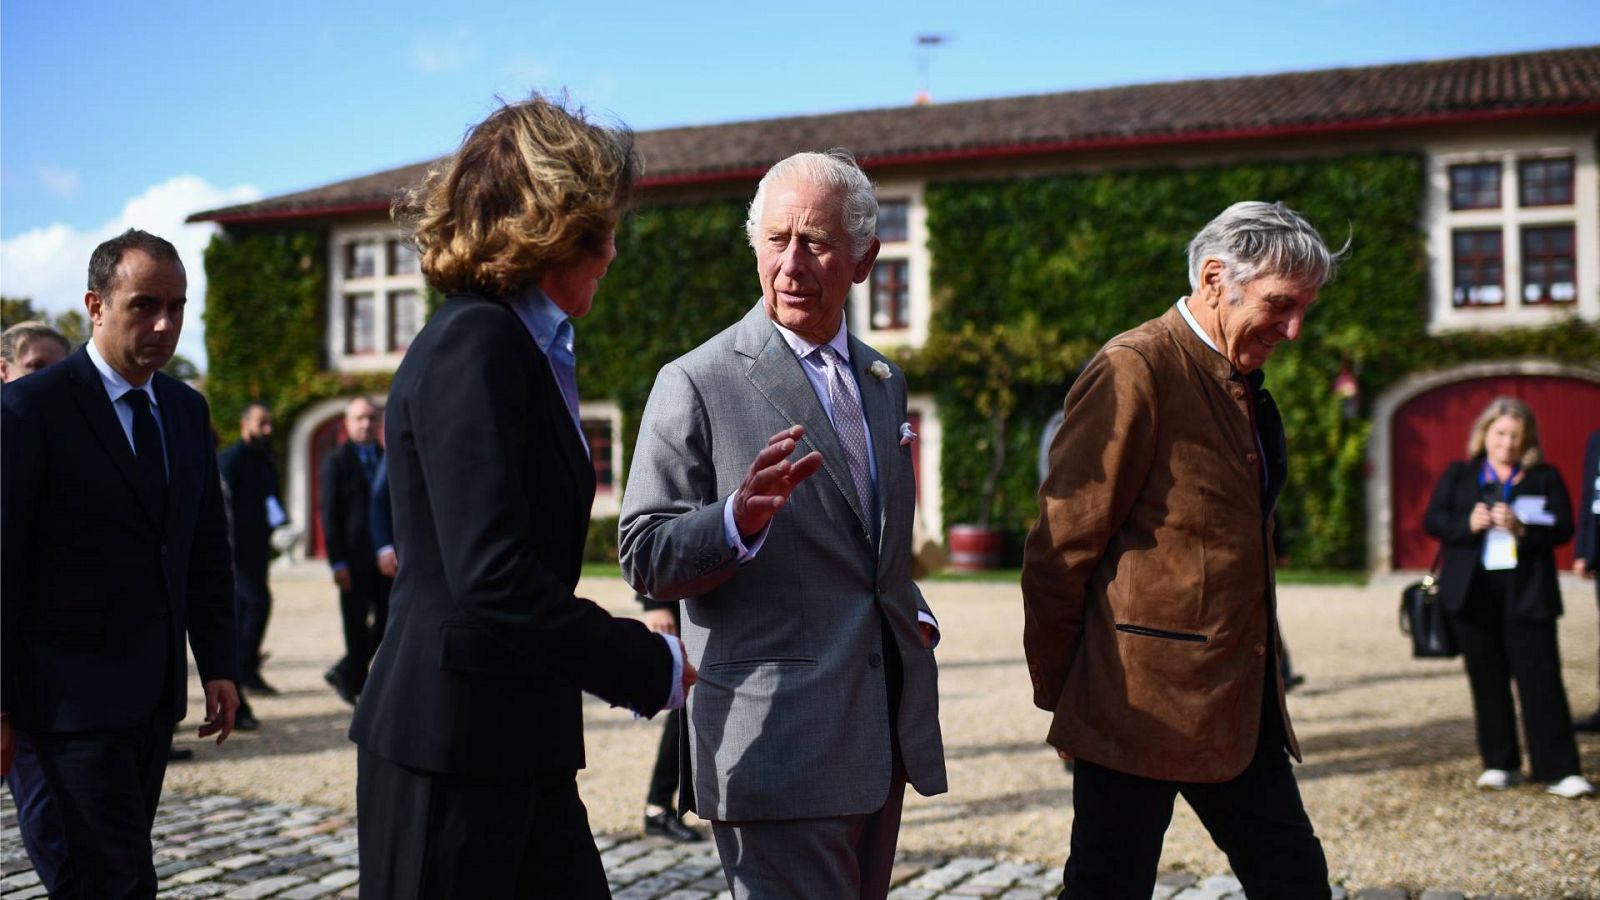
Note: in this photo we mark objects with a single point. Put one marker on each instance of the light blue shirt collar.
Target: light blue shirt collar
(542, 317)
(113, 381)
(804, 348)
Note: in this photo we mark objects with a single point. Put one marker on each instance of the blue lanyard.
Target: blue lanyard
(1486, 477)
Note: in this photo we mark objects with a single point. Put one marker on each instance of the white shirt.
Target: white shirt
(118, 387)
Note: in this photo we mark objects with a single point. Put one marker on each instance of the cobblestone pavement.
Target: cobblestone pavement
(216, 846)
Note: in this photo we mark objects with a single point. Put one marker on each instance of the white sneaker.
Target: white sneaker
(1497, 779)
(1571, 787)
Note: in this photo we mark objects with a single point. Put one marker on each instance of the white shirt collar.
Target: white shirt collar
(113, 381)
(804, 348)
(1183, 310)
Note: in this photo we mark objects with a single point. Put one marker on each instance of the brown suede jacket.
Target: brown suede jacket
(1147, 581)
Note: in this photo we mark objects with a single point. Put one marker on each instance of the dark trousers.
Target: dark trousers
(252, 605)
(1498, 649)
(364, 609)
(1257, 819)
(664, 777)
(434, 835)
(91, 800)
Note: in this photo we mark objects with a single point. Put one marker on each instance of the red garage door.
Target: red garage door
(1430, 431)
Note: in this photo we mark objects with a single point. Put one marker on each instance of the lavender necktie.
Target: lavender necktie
(849, 424)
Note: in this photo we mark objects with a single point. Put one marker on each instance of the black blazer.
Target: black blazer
(1588, 548)
(1535, 595)
(347, 509)
(486, 651)
(250, 477)
(98, 592)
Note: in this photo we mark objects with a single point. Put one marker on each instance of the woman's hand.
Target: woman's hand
(1501, 516)
(1481, 518)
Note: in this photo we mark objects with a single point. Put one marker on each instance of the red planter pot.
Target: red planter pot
(974, 549)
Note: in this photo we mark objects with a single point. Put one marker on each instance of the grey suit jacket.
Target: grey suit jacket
(790, 717)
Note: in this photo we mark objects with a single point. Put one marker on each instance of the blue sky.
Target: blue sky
(116, 113)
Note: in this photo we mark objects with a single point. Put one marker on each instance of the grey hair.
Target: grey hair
(837, 169)
(13, 339)
(1253, 239)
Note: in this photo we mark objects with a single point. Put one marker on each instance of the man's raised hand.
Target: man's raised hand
(770, 481)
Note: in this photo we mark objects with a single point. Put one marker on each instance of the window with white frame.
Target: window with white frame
(891, 307)
(378, 300)
(602, 429)
(1513, 232)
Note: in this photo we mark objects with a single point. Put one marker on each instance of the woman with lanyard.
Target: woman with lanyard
(1499, 515)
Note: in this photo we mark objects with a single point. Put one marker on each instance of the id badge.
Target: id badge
(1499, 550)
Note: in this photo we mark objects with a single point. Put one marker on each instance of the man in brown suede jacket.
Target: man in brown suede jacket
(1148, 579)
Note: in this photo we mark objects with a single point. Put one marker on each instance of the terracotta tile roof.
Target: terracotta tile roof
(1555, 82)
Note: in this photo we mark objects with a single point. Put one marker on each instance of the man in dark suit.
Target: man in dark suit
(114, 547)
(1586, 559)
(347, 478)
(250, 478)
(471, 725)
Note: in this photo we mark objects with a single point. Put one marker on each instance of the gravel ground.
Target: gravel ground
(1388, 744)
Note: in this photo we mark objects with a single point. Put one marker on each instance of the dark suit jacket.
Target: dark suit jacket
(98, 593)
(487, 649)
(1535, 595)
(251, 479)
(346, 510)
(1588, 523)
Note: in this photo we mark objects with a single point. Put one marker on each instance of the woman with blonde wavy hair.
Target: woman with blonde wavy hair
(1499, 515)
(471, 726)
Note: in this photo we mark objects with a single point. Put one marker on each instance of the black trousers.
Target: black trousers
(92, 801)
(1499, 648)
(252, 606)
(1257, 819)
(664, 777)
(364, 609)
(435, 835)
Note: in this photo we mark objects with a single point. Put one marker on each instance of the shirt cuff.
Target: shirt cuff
(927, 619)
(745, 554)
(386, 548)
(338, 566)
(675, 699)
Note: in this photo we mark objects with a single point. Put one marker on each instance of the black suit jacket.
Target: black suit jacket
(346, 510)
(1535, 595)
(487, 649)
(1588, 523)
(98, 592)
(251, 478)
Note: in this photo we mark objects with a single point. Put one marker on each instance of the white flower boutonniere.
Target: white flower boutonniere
(880, 370)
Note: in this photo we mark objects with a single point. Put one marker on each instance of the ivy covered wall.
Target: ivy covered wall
(265, 318)
(1064, 262)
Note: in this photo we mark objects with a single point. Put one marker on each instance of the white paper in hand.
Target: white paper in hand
(1530, 508)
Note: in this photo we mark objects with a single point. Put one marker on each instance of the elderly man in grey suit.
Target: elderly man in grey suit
(818, 692)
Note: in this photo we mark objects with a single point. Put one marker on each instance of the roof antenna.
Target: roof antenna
(925, 45)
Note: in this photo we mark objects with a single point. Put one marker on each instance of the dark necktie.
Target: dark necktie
(369, 460)
(151, 467)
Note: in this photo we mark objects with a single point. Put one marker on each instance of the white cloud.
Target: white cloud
(57, 180)
(431, 54)
(50, 264)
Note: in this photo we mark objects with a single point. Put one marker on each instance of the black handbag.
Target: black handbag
(1422, 617)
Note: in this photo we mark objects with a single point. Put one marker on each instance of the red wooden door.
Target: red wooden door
(1431, 430)
(328, 435)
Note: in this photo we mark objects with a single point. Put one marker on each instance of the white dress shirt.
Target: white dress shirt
(116, 388)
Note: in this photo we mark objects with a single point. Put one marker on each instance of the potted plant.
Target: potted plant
(987, 366)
